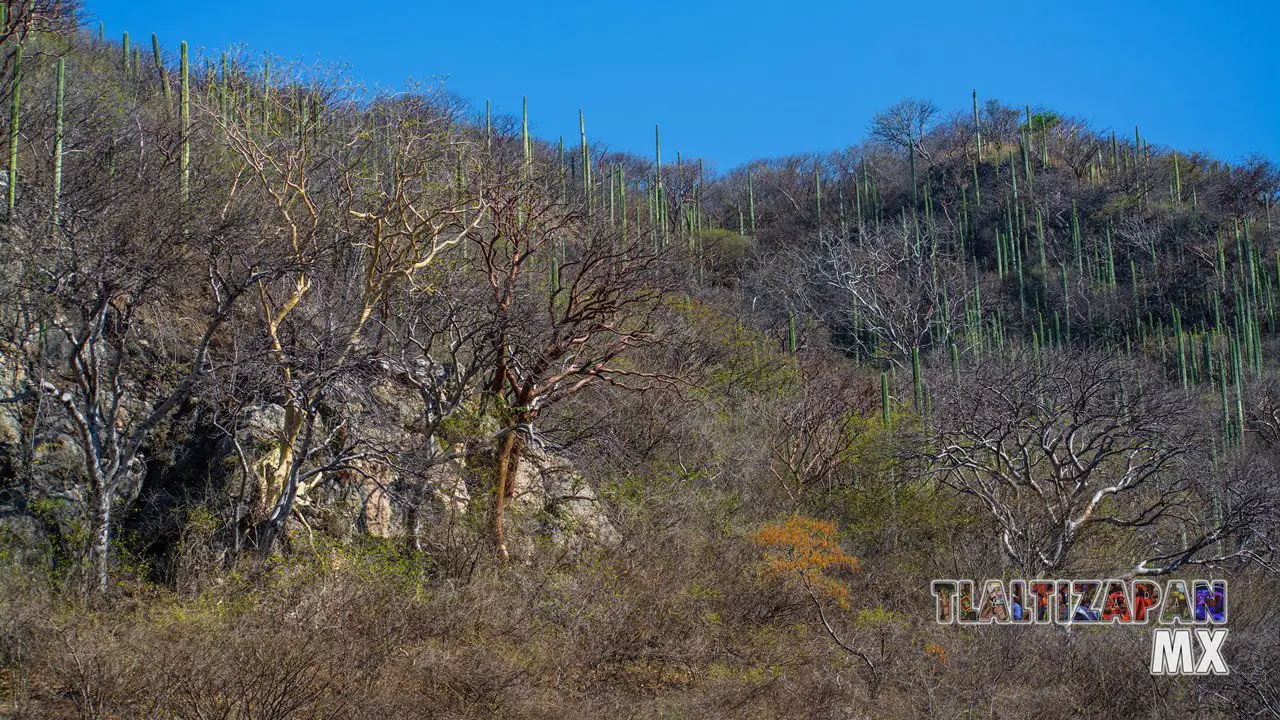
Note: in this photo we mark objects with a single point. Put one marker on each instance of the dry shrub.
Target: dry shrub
(671, 623)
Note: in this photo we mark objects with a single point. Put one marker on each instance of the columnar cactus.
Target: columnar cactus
(977, 127)
(564, 186)
(161, 70)
(1076, 238)
(586, 156)
(1177, 181)
(1182, 350)
(817, 189)
(659, 197)
(524, 133)
(15, 115)
(911, 153)
(884, 398)
(266, 97)
(184, 128)
(224, 91)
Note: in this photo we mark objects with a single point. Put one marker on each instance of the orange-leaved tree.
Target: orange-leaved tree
(807, 551)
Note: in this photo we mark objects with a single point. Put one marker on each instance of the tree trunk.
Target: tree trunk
(100, 537)
(283, 476)
(504, 486)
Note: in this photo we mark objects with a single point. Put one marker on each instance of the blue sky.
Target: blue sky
(733, 81)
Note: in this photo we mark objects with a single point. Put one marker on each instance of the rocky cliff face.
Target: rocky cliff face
(202, 466)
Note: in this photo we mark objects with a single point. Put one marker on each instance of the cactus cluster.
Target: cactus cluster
(1055, 266)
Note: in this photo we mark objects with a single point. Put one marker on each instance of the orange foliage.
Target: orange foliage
(936, 651)
(806, 548)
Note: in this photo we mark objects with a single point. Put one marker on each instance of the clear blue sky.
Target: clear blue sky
(732, 81)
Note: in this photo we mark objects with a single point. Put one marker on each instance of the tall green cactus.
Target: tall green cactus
(125, 53)
(1177, 181)
(184, 129)
(524, 133)
(817, 190)
(15, 115)
(622, 199)
(657, 152)
(1044, 260)
(915, 194)
(161, 70)
(1137, 158)
(564, 186)
(1076, 239)
(1044, 143)
(266, 97)
(659, 197)
(884, 398)
(585, 157)
(977, 127)
(1182, 350)
(224, 92)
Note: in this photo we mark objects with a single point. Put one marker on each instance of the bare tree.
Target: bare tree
(1076, 145)
(435, 344)
(1055, 446)
(571, 295)
(1000, 124)
(368, 216)
(21, 17)
(815, 432)
(904, 124)
(892, 286)
(101, 283)
(1227, 517)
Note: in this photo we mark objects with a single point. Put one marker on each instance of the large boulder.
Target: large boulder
(552, 501)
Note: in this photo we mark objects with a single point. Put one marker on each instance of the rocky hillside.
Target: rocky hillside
(321, 404)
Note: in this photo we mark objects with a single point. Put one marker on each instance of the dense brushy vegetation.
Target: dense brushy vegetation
(278, 358)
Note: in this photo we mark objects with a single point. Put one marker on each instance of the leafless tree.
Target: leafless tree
(1076, 145)
(1264, 413)
(1227, 517)
(1000, 124)
(1055, 446)
(571, 296)
(368, 202)
(904, 124)
(21, 17)
(435, 344)
(814, 433)
(103, 279)
(892, 285)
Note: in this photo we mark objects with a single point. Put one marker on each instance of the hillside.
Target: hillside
(318, 403)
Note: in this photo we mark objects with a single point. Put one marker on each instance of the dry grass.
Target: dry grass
(658, 631)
